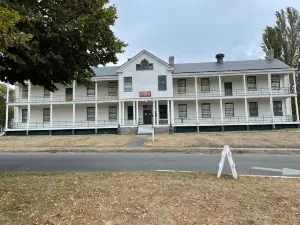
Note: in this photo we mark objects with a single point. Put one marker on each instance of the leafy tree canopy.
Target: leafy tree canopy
(10, 36)
(68, 38)
(284, 37)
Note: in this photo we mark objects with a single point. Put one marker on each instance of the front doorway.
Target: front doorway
(147, 116)
(228, 88)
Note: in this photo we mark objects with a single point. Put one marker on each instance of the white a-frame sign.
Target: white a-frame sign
(226, 152)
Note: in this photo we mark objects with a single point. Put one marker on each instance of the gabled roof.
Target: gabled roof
(230, 66)
(147, 53)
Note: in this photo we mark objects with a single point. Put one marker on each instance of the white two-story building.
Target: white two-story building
(212, 96)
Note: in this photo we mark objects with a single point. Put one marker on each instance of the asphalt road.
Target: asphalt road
(58, 162)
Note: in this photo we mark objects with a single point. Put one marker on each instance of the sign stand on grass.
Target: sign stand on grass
(226, 152)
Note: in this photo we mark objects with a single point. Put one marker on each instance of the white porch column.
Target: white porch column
(245, 86)
(51, 115)
(297, 110)
(172, 111)
(74, 114)
(246, 100)
(74, 91)
(96, 114)
(137, 112)
(197, 107)
(51, 96)
(296, 99)
(153, 112)
(157, 113)
(271, 96)
(246, 110)
(134, 118)
(7, 100)
(96, 91)
(28, 106)
(168, 108)
(123, 113)
(220, 85)
(221, 110)
(120, 112)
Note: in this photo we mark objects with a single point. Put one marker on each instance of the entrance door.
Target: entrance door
(147, 116)
(228, 88)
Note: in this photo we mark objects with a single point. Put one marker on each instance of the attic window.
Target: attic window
(144, 65)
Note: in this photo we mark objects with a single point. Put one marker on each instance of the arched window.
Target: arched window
(144, 65)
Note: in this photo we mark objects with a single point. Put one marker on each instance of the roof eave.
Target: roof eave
(238, 72)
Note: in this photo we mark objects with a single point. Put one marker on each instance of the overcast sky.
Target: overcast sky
(196, 30)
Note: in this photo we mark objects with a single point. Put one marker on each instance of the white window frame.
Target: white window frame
(127, 84)
(90, 113)
(182, 111)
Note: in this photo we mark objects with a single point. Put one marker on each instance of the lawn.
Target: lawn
(146, 198)
(268, 139)
(64, 141)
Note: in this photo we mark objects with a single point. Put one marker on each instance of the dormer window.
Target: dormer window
(144, 65)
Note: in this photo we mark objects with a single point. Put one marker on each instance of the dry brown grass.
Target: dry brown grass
(65, 141)
(268, 139)
(146, 198)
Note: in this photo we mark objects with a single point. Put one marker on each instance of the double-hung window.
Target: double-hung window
(253, 109)
(25, 91)
(46, 93)
(127, 84)
(277, 108)
(181, 86)
(182, 111)
(90, 112)
(275, 82)
(251, 81)
(46, 115)
(163, 111)
(130, 112)
(205, 85)
(90, 89)
(112, 88)
(206, 110)
(24, 115)
(112, 112)
(162, 83)
(229, 110)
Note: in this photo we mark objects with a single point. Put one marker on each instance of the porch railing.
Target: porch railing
(64, 124)
(63, 98)
(233, 120)
(235, 92)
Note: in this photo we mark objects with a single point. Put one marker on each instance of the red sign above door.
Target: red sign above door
(145, 93)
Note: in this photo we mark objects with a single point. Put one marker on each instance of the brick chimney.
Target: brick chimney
(172, 61)
(220, 57)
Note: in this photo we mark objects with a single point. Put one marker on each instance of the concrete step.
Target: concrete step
(145, 129)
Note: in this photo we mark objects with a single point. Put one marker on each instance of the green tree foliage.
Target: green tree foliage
(3, 104)
(69, 37)
(10, 36)
(284, 39)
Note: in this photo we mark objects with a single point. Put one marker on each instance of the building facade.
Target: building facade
(214, 96)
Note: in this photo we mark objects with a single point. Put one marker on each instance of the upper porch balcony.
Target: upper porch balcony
(97, 92)
(235, 93)
(235, 86)
(64, 98)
